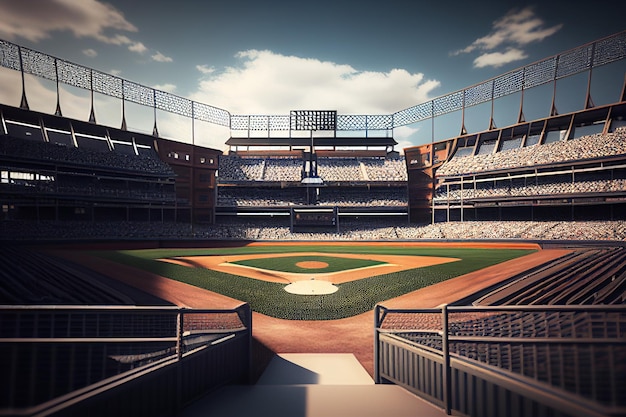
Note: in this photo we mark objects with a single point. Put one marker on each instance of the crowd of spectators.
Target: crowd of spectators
(387, 169)
(363, 197)
(335, 196)
(339, 169)
(238, 169)
(373, 229)
(525, 230)
(283, 169)
(260, 197)
(329, 169)
(69, 184)
(519, 188)
(235, 168)
(512, 143)
(583, 148)
(143, 163)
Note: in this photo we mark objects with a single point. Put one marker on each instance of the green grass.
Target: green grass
(352, 298)
(289, 264)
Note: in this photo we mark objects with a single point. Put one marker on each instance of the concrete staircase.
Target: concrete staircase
(313, 385)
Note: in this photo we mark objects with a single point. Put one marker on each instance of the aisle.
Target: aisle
(312, 385)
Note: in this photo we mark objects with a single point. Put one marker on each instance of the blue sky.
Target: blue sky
(252, 57)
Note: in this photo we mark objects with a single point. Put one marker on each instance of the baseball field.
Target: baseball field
(316, 281)
(396, 274)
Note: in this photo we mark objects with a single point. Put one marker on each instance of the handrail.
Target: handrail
(523, 308)
(107, 346)
(473, 353)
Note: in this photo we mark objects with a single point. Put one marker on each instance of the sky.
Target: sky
(271, 57)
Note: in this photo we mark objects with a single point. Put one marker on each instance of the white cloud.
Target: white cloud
(41, 95)
(91, 53)
(205, 69)
(169, 88)
(159, 57)
(498, 59)
(36, 19)
(137, 47)
(514, 30)
(270, 83)
(10, 87)
(405, 136)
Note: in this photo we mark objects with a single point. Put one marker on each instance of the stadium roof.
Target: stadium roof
(322, 141)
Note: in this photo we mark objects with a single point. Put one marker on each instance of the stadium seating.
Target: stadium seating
(586, 277)
(372, 229)
(583, 148)
(283, 169)
(541, 187)
(31, 277)
(234, 168)
(259, 197)
(75, 156)
(387, 169)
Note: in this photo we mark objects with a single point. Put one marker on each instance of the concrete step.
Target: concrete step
(313, 385)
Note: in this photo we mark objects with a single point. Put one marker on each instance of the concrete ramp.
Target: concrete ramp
(315, 369)
(313, 385)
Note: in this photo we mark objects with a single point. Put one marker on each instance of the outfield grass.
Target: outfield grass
(352, 298)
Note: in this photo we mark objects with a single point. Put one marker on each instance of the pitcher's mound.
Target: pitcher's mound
(312, 264)
(311, 287)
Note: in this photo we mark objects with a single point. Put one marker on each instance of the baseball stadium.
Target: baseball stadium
(315, 269)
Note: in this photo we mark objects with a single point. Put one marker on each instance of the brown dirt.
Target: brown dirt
(350, 335)
(312, 265)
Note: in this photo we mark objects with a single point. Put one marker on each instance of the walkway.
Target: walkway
(312, 385)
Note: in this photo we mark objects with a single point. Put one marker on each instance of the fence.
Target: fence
(575, 61)
(118, 360)
(513, 361)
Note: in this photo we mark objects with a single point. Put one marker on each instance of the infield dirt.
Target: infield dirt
(389, 264)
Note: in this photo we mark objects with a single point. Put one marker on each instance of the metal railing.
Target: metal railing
(513, 360)
(575, 61)
(73, 359)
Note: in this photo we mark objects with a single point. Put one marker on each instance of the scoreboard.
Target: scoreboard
(319, 120)
(313, 217)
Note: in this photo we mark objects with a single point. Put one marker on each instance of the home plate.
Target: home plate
(311, 287)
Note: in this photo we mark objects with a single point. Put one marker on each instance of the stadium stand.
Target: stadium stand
(29, 277)
(579, 149)
(236, 228)
(566, 167)
(80, 179)
(589, 277)
(339, 169)
(234, 168)
(266, 185)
